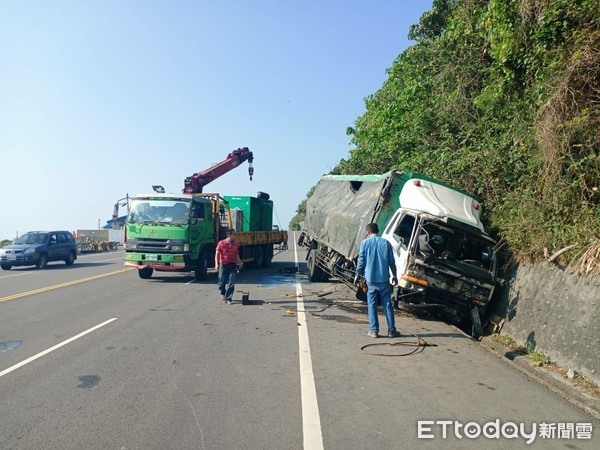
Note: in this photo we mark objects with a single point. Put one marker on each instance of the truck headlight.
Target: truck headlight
(177, 248)
(130, 246)
(415, 280)
(29, 251)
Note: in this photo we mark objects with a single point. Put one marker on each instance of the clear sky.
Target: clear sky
(99, 99)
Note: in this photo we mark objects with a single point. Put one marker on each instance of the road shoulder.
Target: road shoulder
(548, 378)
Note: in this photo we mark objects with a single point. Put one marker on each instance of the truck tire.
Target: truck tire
(259, 256)
(145, 273)
(5, 266)
(476, 327)
(201, 272)
(268, 252)
(315, 273)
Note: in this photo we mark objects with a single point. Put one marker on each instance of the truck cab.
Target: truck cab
(443, 256)
(170, 232)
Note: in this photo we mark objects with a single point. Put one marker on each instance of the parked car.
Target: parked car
(37, 248)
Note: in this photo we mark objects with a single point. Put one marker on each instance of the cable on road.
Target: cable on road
(419, 345)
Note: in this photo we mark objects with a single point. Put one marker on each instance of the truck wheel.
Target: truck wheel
(477, 328)
(400, 304)
(259, 256)
(145, 273)
(324, 276)
(315, 273)
(268, 252)
(42, 262)
(5, 266)
(69, 260)
(201, 272)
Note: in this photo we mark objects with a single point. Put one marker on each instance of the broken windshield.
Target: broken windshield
(440, 241)
(159, 212)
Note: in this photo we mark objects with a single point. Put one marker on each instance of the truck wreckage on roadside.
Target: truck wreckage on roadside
(446, 262)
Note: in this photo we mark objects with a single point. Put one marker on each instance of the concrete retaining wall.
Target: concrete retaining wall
(556, 313)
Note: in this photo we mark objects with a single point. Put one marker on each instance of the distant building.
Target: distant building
(120, 221)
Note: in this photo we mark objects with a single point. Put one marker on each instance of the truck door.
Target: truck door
(202, 229)
(399, 233)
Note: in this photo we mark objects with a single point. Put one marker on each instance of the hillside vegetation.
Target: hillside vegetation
(500, 98)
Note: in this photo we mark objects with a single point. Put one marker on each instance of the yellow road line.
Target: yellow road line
(57, 286)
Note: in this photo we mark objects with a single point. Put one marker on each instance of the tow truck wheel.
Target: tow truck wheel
(145, 273)
(268, 252)
(201, 272)
(259, 256)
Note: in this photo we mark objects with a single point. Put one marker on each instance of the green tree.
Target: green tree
(498, 97)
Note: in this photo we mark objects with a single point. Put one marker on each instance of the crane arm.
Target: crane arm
(195, 183)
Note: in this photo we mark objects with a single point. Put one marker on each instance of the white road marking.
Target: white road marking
(61, 285)
(51, 349)
(311, 420)
(15, 275)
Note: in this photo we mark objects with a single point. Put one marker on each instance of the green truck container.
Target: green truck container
(256, 212)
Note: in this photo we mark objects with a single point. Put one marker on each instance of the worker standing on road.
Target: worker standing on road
(227, 260)
(375, 261)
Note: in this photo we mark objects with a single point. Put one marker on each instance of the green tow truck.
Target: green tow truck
(179, 232)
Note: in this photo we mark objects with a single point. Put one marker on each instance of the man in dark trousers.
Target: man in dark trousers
(375, 262)
(227, 260)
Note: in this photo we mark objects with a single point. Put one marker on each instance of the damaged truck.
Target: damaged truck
(446, 262)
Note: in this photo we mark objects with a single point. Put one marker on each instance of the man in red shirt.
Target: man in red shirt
(227, 260)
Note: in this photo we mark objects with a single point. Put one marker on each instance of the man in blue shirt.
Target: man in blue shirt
(375, 261)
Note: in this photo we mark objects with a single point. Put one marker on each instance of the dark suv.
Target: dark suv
(36, 248)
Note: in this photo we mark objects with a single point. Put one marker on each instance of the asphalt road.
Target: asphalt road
(92, 356)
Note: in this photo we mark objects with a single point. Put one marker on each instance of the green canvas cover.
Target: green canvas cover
(340, 209)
